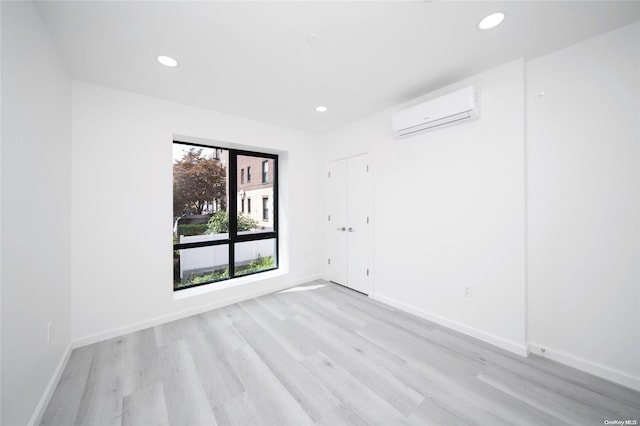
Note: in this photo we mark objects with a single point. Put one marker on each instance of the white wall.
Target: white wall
(122, 209)
(36, 191)
(0, 214)
(449, 211)
(583, 161)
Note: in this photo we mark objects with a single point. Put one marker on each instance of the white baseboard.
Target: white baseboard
(599, 370)
(516, 348)
(116, 332)
(36, 417)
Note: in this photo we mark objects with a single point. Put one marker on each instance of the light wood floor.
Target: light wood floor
(321, 354)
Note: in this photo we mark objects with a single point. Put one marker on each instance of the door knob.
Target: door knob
(350, 229)
(341, 229)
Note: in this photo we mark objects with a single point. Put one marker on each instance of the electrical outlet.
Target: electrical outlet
(467, 291)
(49, 327)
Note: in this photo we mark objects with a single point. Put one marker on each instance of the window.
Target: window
(214, 239)
(265, 171)
(265, 208)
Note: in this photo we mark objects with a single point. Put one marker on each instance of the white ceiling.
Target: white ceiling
(252, 59)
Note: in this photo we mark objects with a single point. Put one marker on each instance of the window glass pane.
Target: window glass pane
(265, 171)
(200, 265)
(255, 256)
(200, 193)
(259, 217)
(265, 209)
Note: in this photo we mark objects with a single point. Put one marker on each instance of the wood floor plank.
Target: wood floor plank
(79, 362)
(237, 411)
(266, 393)
(178, 330)
(142, 361)
(65, 402)
(321, 354)
(571, 407)
(431, 413)
(348, 337)
(145, 407)
(368, 371)
(218, 379)
(141, 372)
(101, 402)
(223, 336)
(185, 398)
(602, 389)
(312, 396)
(364, 402)
(318, 304)
(289, 335)
(418, 351)
(458, 397)
(342, 416)
(273, 304)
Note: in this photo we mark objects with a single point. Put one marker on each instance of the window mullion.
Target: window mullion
(233, 209)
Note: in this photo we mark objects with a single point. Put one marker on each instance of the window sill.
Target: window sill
(223, 285)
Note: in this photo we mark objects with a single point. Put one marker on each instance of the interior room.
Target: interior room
(434, 217)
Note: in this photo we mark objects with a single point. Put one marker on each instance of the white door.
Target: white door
(337, 221)
(358, 243)
(349, 217)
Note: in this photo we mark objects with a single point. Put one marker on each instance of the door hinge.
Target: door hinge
(367, 220)
(329, 175)
(328, 218)
(367, 168)
(329, 261)
(367, 271)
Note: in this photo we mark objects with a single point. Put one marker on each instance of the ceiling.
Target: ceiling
(253, 59)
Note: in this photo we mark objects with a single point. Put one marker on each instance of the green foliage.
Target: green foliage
(245, 223)
(219, 223)
(188, 229)
(198, 180)
(262, 263)
(194, 279)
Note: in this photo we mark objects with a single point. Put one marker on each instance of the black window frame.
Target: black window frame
(241, 176)
(232, 209)
(248, 174)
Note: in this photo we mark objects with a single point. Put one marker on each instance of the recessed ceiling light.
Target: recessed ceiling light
(167, 61)
(491, 21)
(313, 38)
(321, 108)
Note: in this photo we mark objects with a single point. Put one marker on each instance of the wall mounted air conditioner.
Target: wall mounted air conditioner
(456, 107)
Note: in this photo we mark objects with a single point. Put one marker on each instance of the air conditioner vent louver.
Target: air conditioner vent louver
(456, 107)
